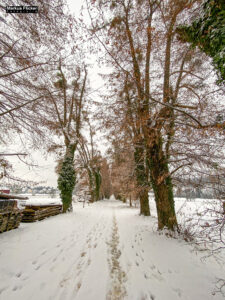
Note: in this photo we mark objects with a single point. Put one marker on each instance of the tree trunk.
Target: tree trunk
(144, 202)
(91, 185)
(94, 184)
(162, 186)
(165, 205)
(142, 181)
(130, 201)
(98, 181)
(66, 179)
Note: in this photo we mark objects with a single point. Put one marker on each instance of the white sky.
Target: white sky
(46, 170)
(75, 5)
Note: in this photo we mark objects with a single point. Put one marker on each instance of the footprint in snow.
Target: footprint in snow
(83, 254)
(25, 278)
(16, 287)
(152, 267)
(18, 275)
(152, 297)
(38, 267)
(78, 285)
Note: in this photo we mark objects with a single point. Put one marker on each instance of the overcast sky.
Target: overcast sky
(75, 5)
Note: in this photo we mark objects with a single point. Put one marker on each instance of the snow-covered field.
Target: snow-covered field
(44, 199)
(103, 251)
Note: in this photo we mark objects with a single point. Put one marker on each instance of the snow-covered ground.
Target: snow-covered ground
(44, 199)
(102, 251)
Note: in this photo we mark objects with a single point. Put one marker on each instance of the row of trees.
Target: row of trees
(161, 111)
(160, 91)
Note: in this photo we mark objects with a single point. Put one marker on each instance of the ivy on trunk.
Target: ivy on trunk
(67, 178)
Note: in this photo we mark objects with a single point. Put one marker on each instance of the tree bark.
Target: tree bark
(142, 181)
(91, 185)
(98, 181)
(162, 186)
(130, 201)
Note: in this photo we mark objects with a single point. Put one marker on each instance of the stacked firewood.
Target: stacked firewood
(34, 213)
(10, 215)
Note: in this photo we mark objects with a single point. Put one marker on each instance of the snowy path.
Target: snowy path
(102, 251)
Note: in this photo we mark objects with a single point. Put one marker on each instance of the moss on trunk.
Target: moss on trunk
(94, 184)
(165, 205)
(98, 181)
(142, 180)
(91, 185)
(66, 179)
(162, 187)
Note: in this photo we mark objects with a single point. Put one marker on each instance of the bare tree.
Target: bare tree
(165, 98)
(90, 160)
(63, 115)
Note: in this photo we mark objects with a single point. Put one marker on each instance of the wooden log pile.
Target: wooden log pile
(34, 213)
(10, 215)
